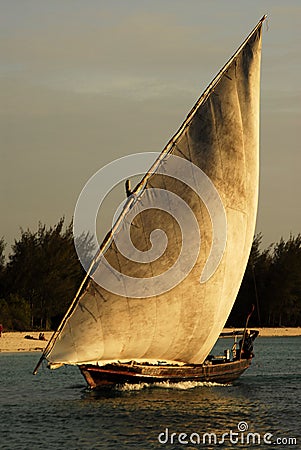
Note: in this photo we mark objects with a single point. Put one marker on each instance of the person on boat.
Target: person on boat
(246, 344)
(128, 188)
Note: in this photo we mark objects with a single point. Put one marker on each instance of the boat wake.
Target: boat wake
(181, 385)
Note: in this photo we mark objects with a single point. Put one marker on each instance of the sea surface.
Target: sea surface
(55, 410)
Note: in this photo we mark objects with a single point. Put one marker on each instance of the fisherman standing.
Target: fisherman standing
(246, 344)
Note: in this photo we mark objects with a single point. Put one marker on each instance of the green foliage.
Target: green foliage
(2, 270)
(283, 299)
(5, 315)
(44, 269)
(2, 256)
(15, 313)
(272, 282)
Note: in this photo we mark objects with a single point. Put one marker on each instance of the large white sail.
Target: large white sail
(221, 137)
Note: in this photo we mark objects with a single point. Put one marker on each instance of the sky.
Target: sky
(86, 82)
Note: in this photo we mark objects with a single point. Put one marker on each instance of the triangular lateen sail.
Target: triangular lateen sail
(221, 137)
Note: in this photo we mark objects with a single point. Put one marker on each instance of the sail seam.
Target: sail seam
(127, 338)
(151, 268)
(177, 357)
(101, 327)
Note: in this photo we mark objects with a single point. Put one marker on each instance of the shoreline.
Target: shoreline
(273, 331)
(15, 341)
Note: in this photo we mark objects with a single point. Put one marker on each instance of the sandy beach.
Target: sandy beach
(269, 332)
(16, 341)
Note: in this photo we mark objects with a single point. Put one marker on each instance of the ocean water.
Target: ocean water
(55, 410)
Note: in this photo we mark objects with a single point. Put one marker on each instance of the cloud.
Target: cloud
(143, 55)
(85, 82)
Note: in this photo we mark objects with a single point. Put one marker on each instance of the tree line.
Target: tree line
(272, 283)
(43, 273)
(40, 278)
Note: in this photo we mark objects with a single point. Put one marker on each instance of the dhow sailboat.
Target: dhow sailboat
(166, 333)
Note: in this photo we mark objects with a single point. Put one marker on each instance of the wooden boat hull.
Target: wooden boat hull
(114, 374)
